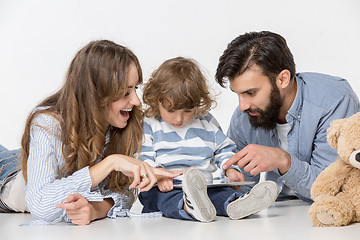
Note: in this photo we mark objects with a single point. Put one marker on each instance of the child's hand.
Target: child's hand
(234, 175)
(165, 184)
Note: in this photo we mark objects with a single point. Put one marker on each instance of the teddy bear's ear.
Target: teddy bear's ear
(333, 132)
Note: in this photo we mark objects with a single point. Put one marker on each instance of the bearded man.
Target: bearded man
(281, 123)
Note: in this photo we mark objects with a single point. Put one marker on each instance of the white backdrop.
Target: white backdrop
(38, 39)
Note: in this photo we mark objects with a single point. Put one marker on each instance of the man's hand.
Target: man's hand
(257, 158)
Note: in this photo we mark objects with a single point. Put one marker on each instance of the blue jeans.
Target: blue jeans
(9, 168)
(171, 203)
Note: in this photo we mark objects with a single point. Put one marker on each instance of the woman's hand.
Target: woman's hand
(82, 212)
(144, 176)
(141, 172)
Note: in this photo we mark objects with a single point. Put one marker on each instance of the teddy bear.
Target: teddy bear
(336, 191)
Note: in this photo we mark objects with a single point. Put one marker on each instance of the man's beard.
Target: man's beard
(267, 118)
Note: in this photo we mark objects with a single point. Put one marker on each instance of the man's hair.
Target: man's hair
(266, 49)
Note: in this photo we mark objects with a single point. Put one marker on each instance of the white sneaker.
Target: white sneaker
(260, 197)
(196, 201)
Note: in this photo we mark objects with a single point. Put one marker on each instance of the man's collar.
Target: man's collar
(296, 107)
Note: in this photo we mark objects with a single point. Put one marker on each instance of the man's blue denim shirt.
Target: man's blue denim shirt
(319, 100)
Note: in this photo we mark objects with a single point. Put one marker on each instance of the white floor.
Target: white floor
(284, 220)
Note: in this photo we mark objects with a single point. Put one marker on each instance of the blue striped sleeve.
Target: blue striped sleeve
(147, 153)
(225, 147)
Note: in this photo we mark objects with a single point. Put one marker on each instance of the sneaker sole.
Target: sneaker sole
(261, 196)
(196, 187)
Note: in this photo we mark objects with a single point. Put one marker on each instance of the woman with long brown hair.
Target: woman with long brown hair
(77, 147)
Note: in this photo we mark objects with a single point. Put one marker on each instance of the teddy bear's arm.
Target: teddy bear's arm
(329, 180)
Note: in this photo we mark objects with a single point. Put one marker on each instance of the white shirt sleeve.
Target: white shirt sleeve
(45, 186)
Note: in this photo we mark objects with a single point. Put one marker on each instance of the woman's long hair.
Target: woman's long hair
(97, 76)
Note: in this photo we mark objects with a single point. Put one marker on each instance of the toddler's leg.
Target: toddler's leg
(221, 197)
(149, 200)
(197, 203)
(260, 197)
(169, 203)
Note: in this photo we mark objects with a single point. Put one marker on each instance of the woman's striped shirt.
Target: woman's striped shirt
(45, 186)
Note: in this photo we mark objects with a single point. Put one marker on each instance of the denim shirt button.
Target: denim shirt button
(299, 116)
(284, 181)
